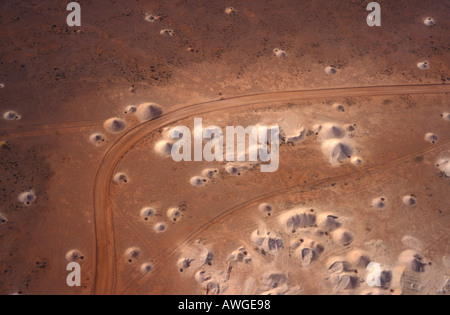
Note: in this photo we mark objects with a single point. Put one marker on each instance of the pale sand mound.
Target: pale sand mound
(358, 258)
(267, 242)
(167, 32)
(338, 265)
(338, 107)
(27, 197)
(230, 11)
(429, 21)
(121, 178)
(297, 218)
(347, 282)
(411, 259)
(444, 166)
(342, 236)
(423, 65)
(409, 200)
(446, 115)
(74, 256)
(330, 70)
(148, 111)
(115, 125)
(328, 222)
(356, 160)
(132, 254)
(184, 263)
(350, 127)
(3, 219)
(210, 173)
(198, 181)
(152, 18)
(146, 268)
(174, 214)
(232, 169)
(212, 288)
(431, 137)
(131, 109)
(273, 279)
(206, 257)
(2, 86)
(308, 251)
(279, 53)
(379, 202)
(11, 115)
(97, 138)
(164, 148)
(202, 276)
(240, 255)
(147, 213)
(331, 131)
(265, 208)
(160, 227)
(297, 137)
(4, 145)
(337, 151)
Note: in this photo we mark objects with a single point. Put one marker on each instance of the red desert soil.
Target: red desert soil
(59, 201)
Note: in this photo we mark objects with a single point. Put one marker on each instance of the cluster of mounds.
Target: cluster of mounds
(133, 255)
(117, 125)
(206, 175)
(266, 242)
(240, 255)
(11, 115)
(335, 143)
(343, 271)
(295, 219)
(306, 251)
(197, 262)
(173, 214)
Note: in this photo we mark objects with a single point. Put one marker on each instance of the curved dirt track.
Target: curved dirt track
(105, 274)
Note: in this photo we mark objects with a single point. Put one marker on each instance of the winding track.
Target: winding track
(105, 276)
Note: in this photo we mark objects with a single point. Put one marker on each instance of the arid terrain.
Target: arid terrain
(358, 205)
